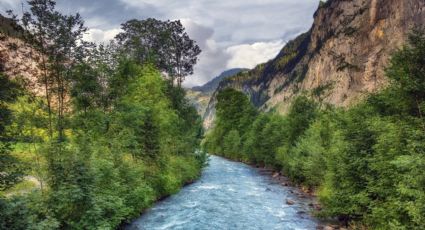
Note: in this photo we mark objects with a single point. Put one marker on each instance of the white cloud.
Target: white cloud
(213, 58)
(245, 32)
(236, 33)
(250, 55)
(101, 36)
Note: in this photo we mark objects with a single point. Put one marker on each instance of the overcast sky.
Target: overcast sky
(231, 33)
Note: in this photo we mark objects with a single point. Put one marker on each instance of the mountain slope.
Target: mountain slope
(200, 95)
(339, 60)
(212, 85)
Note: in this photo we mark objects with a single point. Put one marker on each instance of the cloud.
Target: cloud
(213, 57)
(249, 55)
(101, 36)
(245, 32)
(239, 33)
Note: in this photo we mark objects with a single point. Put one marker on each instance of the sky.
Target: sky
(231, 33)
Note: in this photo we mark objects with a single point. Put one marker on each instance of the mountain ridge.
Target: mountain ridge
(211, 85)
(339, 60)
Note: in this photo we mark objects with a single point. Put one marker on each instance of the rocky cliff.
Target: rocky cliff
(17, 58)
(339, 60)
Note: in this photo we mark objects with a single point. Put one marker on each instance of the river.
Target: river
(229, 195)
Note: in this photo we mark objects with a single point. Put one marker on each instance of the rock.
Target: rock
(275, 175)
(317, 207)
(302, 196)
(290, 202)
(328, 228)
(268, 189)
(285, 184)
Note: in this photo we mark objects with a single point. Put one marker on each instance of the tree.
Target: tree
(234, 112)
(58, 38)
(163, 43)
(232, 144)
(407, 73)
(10, 168)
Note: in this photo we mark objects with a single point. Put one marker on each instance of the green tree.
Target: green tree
(164, 43)
(232, 144)
(10, 169)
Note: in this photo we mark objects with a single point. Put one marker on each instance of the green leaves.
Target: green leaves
(162, 43)
(235, 114)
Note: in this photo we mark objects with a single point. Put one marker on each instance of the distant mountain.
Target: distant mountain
(200, 95)
(212, 85)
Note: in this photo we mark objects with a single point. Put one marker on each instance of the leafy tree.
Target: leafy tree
(10, 169)
(164, 43)
(234, 112)
(301, 114)
(232, 144)
(58, 38)
(254, 144)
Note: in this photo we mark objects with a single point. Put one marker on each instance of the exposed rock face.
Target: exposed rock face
(199, 99)
(341, 58)
(18, 59)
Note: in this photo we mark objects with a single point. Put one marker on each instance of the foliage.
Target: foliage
(10, 170)
(109, 136)
(164, 43)
(234, 115)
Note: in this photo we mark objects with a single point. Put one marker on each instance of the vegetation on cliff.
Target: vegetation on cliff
(366, 162)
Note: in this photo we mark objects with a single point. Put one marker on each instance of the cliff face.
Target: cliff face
(341, 58)
(18, 59)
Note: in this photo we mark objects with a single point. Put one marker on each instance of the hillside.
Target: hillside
(201, 95)
(339, 60)
(211, 86)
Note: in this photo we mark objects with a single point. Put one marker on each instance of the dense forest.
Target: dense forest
(104, 131)
(366, 163)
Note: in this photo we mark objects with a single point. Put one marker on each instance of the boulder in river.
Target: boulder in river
(290, 202)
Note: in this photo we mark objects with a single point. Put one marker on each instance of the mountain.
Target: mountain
(200, 95)
(212, 85)
(339, 60)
